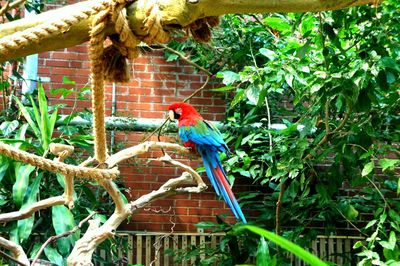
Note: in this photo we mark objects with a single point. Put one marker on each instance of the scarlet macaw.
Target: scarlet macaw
(205, 138)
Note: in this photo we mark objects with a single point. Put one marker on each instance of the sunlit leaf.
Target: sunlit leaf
(367, 169)
(286, 244)
(388, 163)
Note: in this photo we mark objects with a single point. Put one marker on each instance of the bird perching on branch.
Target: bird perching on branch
(205, 138)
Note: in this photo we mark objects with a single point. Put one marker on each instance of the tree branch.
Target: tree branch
(84, 247)
(16, 250)
(25, 213)
(9, 6)
(141, 148)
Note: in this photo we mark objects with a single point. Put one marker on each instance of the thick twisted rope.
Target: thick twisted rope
(14, 42)
(58, 167)
(96, 49)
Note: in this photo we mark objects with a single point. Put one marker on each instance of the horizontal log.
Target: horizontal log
(172, 14)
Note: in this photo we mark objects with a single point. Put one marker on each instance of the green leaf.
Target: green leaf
(222, 89)
(66, 80)
(391, 243)
(53, 255)
(63, 221)
(358, 244)
(52, 122)
(45, 121)
(229, 77)
(367, 169)
(25, 226)
(238, 97)
(278, 24)
(286, 244)
(388, 163)
(263, 256)
(28, 117)
(22, 172)
(389, 62)
(8, 127)
(3, 168)
(271, 55)
(370, 223)
(252, 93)
(206, 225)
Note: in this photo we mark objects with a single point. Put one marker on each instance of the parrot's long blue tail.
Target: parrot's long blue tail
(218, 179)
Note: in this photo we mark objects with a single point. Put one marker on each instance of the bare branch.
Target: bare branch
(167, 159)
(143, 148)
(25, 213)
(9, 6)
(171, 187)
(84, 247)
(111, 188)
(16, 250)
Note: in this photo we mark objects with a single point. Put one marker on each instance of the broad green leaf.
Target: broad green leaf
(225, 88)
(8, 127)
(66, 80)
(367, 168)
(263, 256)
(3, 168)
(63, 221)
(278, 23)
(398, 186)
(61, 179)
(63, 91)
(390, 63)
(370, 223)
(388, 163)
(25, 225)
(271, 55)
(45, 121)
(28, 117)
(238, 97)
(358, 244)
(288, 245)
(391, 243)
(252, 93)
(53, 255)
(22, 172)
(14, 233)
(52, 122)
(205, 225)
(229, 77)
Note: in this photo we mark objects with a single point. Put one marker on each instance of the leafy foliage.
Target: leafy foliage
(314, 118)
(32, 127)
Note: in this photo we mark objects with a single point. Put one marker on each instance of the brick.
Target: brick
(151, 83)
(152, 114)
(151, 99)
(65, 56)
(57, 63)
(64, 71)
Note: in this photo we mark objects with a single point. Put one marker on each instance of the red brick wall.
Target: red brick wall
(155, 85)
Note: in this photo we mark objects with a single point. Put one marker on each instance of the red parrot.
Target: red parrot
(206, 139)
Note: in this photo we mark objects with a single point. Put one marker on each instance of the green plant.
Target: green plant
(330, 81)
(22, 185)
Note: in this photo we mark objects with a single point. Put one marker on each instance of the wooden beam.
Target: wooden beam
(172, 14)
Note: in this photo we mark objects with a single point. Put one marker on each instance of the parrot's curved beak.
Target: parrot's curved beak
(171, 115)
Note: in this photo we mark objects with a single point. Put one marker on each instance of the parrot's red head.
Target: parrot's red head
(182, 111)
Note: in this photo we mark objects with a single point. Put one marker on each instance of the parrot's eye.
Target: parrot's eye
(178, 111)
